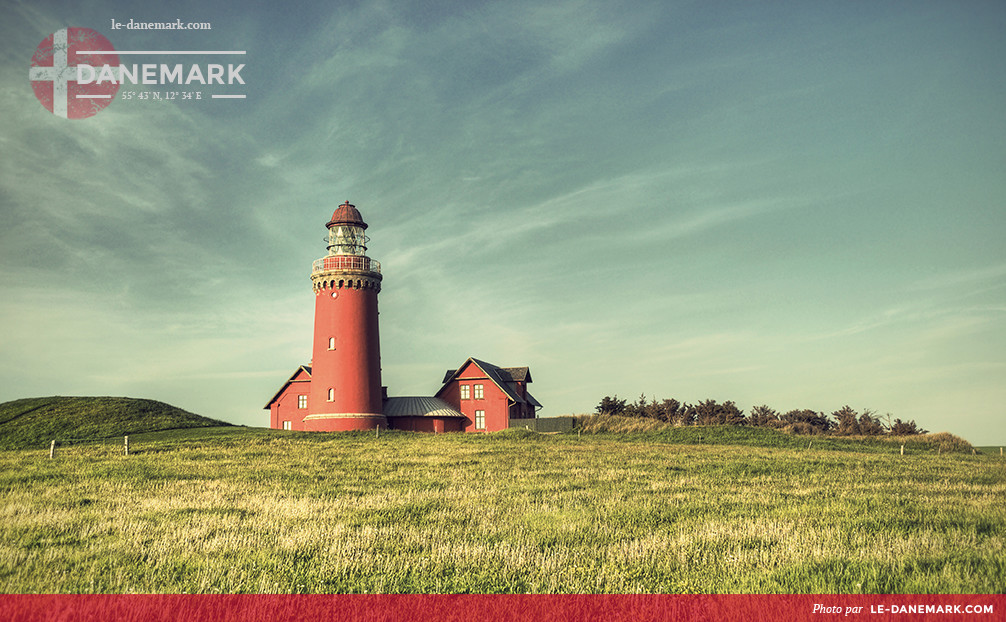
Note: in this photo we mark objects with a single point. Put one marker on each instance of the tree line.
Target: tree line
(843, 422)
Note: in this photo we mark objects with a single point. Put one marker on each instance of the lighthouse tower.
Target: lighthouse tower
(346, 365)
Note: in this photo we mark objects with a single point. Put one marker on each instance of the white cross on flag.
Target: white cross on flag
(53, 73)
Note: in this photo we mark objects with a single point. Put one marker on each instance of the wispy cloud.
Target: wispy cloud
(991, 275)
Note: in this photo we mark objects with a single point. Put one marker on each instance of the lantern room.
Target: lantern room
(346, 232)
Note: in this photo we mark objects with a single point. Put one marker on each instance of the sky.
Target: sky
(798, 204)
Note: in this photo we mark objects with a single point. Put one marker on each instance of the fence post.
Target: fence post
(126, 443)
(377, 431)
(902, 450)
(52, 450)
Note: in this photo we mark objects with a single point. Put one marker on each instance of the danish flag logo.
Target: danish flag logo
(53, 73)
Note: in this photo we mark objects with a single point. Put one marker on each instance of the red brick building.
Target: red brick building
(488, 396)
(288, 407)
(341, 389)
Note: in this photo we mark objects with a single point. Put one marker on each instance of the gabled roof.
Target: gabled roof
(305, 368)
(516, 374)
(419, 407)
(502, 377)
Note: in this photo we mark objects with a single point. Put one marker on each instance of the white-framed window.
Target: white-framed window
(478, 392)
(287, 425)
(301, 402)
(480, 420)
(331, 395)
(466, 392)
(331, 343)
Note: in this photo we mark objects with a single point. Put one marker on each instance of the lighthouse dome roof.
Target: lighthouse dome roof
(347, 214)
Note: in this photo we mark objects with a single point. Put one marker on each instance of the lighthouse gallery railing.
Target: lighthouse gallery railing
(355, 263)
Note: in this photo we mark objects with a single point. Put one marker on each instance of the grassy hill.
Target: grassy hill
(34, 422)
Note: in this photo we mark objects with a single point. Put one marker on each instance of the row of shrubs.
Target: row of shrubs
(843, 422)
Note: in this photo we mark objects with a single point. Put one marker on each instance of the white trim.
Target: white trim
(135, 52)
(317, 416)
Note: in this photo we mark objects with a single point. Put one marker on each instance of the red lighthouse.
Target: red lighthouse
(345, 389)
(341, 389)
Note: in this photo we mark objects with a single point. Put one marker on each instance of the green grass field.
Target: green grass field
(252, 510)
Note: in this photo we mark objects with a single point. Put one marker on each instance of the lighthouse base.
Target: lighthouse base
(343, 422)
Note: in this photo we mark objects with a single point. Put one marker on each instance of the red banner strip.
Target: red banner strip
(499, 608)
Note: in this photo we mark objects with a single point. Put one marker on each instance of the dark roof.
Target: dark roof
(503, 377)
(346, 214)
(419, 407)
(516, 374)
(306, 368)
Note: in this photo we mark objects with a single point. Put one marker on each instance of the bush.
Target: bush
(906, 428)
(610, 406)
(806, 422)
(846, 421)
(764, 417)
(802, 428)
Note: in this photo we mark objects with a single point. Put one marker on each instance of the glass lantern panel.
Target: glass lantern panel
(346, 240)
